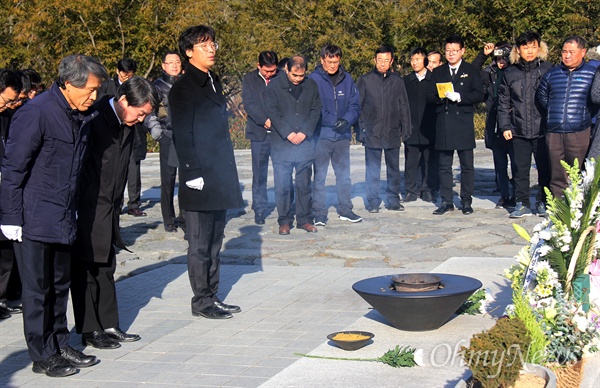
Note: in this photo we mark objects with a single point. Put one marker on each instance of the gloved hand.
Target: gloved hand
(12, 232)
(196, 184)
(453, 96)
(340, 126)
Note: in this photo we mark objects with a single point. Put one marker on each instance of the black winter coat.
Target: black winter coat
(101, 187)
(202, 142)
(518, 110)
(422, 114)
(253, 96)
(455, 129)
(289, 115)
(385, 114)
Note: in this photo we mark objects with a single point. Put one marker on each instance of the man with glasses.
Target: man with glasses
(384, 123)
(340, 110)
(10, 84)
(258, 128)
(294, 107)
(206, 165)
(40, 170)
(455, 129)
(159, 125)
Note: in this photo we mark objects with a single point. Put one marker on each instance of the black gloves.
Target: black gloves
(340, 126)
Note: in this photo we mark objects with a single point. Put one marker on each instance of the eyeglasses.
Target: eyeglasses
(206, 47)
(452, 52)
(383, 60)
(9, 102)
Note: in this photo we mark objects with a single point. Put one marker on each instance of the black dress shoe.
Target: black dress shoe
(444, 207)
(228, 307)
(259, 219)
(99, 340)
(410, 197)
(78, 359)
(119, 335)
(4, 314)
(212, 312)
(467, 209)
(54, 366)
(170, 228)
(11, 309)
(136, 212)
(426, 196)
(395, 207)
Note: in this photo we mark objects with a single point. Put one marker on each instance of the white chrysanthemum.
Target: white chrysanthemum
(545, 234)
(581, 322)
(544, 250)
(419, 357)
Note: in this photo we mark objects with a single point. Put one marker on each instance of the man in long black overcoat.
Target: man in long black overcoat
(101, 189)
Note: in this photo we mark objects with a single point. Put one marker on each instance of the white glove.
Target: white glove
(12, 232)
(453, 96)
(196, 184)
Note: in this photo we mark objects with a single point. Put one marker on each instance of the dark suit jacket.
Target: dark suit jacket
(422, 114)
(289, 115)
(455, 129)
(253, 96)
(202, 142)
(101, 185)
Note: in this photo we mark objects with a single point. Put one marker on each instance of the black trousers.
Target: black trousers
(134, 183)
(567, 147)
(168, 177)
(523, 149)
(467, 175)
(46, 276)
(416, 165)
(285, 183)
(502, 150)
(94, 295)
(373, 173)
(338, 152)
(261, 152)
(205, 237)
(7, 263)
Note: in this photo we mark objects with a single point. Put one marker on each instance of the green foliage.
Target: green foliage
(399, 357)
(472, 305)
(494, 356)
(536, 353)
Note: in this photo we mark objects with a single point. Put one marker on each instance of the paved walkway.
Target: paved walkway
(294, 290)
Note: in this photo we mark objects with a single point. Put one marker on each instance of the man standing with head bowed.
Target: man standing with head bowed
(40, 171)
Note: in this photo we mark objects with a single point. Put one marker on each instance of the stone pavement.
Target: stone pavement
(294, 290)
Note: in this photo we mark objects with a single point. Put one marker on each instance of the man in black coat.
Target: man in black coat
(258, 128)
(455, 130)
(100, 194)
(206, 166)
(417, 148)
(384, 122)
(294, 107)
(159, 125)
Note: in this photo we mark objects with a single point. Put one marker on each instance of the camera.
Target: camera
(502, 52)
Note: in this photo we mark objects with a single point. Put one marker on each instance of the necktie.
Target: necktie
(453, 72)
(212, 83)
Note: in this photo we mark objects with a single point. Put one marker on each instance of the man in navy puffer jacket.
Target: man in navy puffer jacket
(340, 108)
(564, 96)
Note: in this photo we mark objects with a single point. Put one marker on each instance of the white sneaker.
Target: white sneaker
(350, 217)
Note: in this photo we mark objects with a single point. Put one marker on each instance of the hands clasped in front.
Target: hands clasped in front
(296, 137)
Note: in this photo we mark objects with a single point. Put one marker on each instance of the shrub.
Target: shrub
(495, 356)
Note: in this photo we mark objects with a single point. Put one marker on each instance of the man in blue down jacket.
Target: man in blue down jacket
(564, 96)
(384, 123)
(40, 169)
(340, 107)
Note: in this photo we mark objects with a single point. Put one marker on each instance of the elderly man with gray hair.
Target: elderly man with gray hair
(44, 154)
